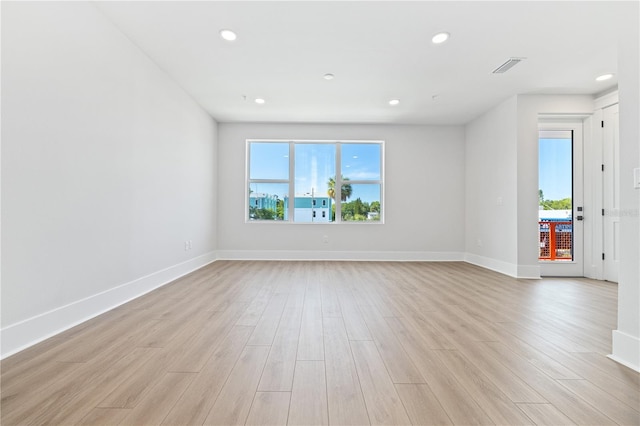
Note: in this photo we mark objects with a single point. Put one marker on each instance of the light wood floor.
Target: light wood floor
(335, 343)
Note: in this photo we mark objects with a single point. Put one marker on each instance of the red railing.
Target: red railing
(556, 240)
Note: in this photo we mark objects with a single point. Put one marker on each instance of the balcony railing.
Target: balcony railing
(556, 240)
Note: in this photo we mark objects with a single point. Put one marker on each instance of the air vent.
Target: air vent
(511, 62)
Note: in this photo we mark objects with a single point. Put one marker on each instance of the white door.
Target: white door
(611, 193)
(561, 210)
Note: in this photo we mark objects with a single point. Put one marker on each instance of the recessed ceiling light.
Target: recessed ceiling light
(355, 156)
(228, 35)
(440, 38)
(604, 77)
(394, 102)
(259, 100)
(329, 76)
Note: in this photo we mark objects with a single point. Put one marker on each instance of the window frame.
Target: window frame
(338, 180)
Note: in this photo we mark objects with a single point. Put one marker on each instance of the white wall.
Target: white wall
(626, 339)
(424, 206)
(107, 168)
(490, 193)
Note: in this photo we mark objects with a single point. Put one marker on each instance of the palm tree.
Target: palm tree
(345, 190)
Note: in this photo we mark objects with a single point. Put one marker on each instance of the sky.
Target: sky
(555, 168)
(314, 165)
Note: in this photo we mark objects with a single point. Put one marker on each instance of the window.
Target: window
(291, 181)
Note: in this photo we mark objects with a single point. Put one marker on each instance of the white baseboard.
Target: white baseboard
(516, 271)
(399, 256)
(510, 269)
(529, 272)
(23, 334)
(492, 264)
(626, 350)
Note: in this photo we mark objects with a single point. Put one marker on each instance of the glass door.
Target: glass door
(560, 209)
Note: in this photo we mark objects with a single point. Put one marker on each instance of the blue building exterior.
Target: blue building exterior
(312, 209)
(263, 201)
(306, 208)
(267, 202)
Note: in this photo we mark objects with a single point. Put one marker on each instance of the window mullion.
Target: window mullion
(247, 184)
(338, 183)
(365, 182)
(292, 179)
(268, 181)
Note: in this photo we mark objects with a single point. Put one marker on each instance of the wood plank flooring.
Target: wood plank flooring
(340, 343)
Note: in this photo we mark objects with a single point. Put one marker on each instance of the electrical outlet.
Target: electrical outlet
(325, 239)
(186, 245)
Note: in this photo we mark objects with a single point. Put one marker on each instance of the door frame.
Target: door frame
(575, 267)
(594, 185)
(610, 193)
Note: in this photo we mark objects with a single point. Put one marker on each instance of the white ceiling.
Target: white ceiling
(377, 51)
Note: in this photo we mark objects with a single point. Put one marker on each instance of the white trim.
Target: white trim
(510, 269)
(400, 256)
(575, 128)
(21, 335)
(606, 100)
(528, 272)
(626, 350)
(492, 264)
(555, 118)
